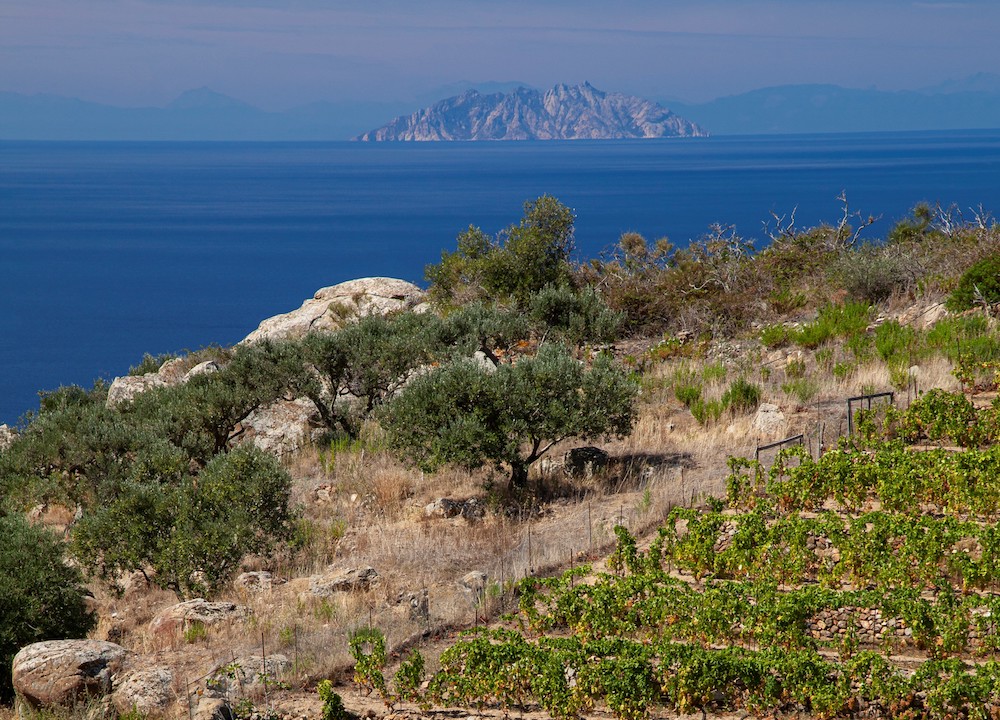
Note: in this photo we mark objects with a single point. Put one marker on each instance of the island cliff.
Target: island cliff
(580, 112)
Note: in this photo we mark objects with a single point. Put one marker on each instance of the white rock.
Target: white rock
(769, 419)
(339, 581)
(148, 691)
(282, 426)
(330, 306)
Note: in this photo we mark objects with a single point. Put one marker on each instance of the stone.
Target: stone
(330, 307)
(418, 604)
(203, 368)
(443, 507)
(7, 437)
(474, 582)
(180, 616)
(585, 462)
(246, 674)
(125, 389)
(212, 708)
(342, 581)
(148, 691)
(61, 672)
(769, 420)
(258, 581)
(282, 427)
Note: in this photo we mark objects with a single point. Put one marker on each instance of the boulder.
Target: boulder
(61, 672)
(282, 427)
(148, 691)
(474, 582)
(341, 581)
(331, 306)
(245, 675)
(124, 389)
(203, 368)
(585, 462)
(769, 420)
(259, 581)
(180, 616)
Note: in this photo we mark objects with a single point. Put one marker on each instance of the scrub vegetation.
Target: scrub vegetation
(610, 583)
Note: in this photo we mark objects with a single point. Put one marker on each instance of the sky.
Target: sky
(280, 53)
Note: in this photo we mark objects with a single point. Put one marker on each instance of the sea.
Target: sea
(112, 250)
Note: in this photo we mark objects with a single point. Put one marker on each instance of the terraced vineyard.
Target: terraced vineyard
(864, 583)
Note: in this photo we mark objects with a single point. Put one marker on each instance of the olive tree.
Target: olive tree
(191, 533)
(521, 260)
(471, 416)
(349, 373)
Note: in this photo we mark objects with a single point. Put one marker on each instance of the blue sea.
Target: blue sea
(111, 250)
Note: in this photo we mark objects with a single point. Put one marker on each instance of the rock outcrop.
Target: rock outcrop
(61, 672)
(342, 581)
(580, 112)
(331, 306)
(180, 616)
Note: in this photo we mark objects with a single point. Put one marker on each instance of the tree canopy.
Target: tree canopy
(471, 416)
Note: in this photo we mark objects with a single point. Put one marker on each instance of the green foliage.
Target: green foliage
(367, 646)
(42, 596)
(490, 329)
(150, 363)
(576, 316)
(832, 322)
(333, 704)
(871, 274)
(742, 396)
(192, 533)
(803, 389)
(522, 260)
(362, 365)
(774, 336)
(979, 284)
(466, 415)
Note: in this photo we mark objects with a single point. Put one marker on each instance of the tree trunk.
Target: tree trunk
(518, 476)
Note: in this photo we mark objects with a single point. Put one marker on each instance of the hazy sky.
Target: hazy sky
(277, 53)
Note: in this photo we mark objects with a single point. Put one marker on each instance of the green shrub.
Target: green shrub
(742, 396)
(333, 704)
(150, 363)
(520, 261)
(834, 321)
(774, 336)
(895, 342)
(41, 597)
(575, 316)
(802, 389)
(707, 411)
(714, 372)
(979, 284)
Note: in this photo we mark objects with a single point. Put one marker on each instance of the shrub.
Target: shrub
(979, 284)
(520, 261)
(42, 597)
(575, 316)
(774, 336)
(845, 320)
(742, 396)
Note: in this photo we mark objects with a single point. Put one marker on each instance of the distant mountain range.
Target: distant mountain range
(955, 105)
(203, 114)
(580, 112)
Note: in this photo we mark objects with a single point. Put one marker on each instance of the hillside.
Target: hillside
(339, 535)
(581, 112)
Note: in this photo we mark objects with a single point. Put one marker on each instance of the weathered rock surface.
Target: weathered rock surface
(148, 691)
(562, 113)
(341, 581)
(258, 581)
(7, 436)
(474, 583)
(769, 420)
(172, 372)
(282, 426)
(330, 306)
(470, 509)
(60, 672)
(180, 616)
(246, 674)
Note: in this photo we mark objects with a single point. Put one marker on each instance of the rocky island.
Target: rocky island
(580, 112)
